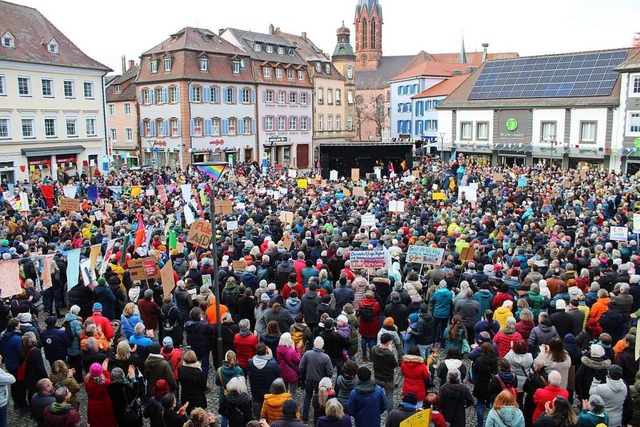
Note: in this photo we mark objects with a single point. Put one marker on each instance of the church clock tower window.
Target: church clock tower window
(364, 34)
(373, 34)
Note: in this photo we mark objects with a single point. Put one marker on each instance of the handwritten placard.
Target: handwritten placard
(200, 233)
(67, 204)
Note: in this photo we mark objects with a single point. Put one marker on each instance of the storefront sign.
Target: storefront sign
(424, 255)
(217, 142)
(514, 126)
(157, 143)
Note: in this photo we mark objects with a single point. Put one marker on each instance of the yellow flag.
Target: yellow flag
(302, 183)
(135, 190)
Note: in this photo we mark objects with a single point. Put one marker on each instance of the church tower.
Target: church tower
(368, 23)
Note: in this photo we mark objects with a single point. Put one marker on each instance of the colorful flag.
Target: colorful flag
(46, 272)
(125, 245)
(92, 192)
(107, 255)
(10, 278)
(73, 268)
(404, 165)
(141, 234)
(173, 240)
(214, 171)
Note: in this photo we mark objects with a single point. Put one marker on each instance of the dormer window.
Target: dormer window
(318, 67)
(117, 89)
(290, 51)
(281, 50)
(204, 64)
(257, 47)
(154, 66)
(7, 40)
(278, 73)
(235, 67)
(52, 47)
(327, 68)
(167, 64)
(269, 48)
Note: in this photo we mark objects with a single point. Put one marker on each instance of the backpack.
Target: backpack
(366, 313)
(167, 326)
(510, 389)
(68, 330)
(230, 296)
(298, 336)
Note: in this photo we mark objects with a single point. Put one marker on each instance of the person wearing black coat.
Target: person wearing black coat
(310, 302)
(535, 380)
(343, 294)
(398, 311)
(405, 410)
(118, 304)
(104, 296)
(122, 392)
(55, 341)
(263, 370)
(34, 363)
(593, 366)
(627, 360)
(172, 323)
(200, 337)
(169, 416)
(482, 371)
(82, 296)
(229, 331)
(192, 383)
(236, 405)
(423, 333)
(613, 323)
(334, 344)
(194, 274)
(246, 306)
(454, 397)
(183, 300)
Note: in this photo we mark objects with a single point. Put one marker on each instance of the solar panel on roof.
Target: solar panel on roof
(565, 76)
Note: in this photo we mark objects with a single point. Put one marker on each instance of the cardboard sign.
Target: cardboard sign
(286, 217)
(498, 177)
(143, 268)
(224, 207)
(424, 255)
(239, 265)
(466, 254)
(168, 281)
(302, 183)
(496, 192)
(619, 234)
(232, 225)
(358, 192)
(99, 215)
(108, 207)
(396, 206)
(200, 233)
(355, 174)
(367, 259)
(67, 204)
(333, 175)
(162, 194)
(285, 242)
(420, 419)
(368, 220)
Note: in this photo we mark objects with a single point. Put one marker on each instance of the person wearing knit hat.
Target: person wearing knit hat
(367, 401)
(99, 410)
(95, 370)
(593, 413)
(406, 409)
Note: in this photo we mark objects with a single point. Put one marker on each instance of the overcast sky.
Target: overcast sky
(106, 30)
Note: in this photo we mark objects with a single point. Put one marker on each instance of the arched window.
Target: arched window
(364, 33)
(373, 34)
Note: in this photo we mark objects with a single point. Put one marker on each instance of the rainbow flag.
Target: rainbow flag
(214, 171)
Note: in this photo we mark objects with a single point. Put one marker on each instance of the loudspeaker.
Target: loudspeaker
(408, 157)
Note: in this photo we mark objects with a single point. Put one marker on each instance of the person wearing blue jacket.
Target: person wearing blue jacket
(74, 353)
(441, 301)
(105, 296)
(367, 400)
(11, 349)
(54, 340)
(263, 370)
(129, 319)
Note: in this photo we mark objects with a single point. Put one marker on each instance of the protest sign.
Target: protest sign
(424, 255)
(286, 217)
(200, 233)
(358, 192)
(206, 280)
(46, 272)
(396, 206)
(522, 182)
(368, 220)
(224, 207)
(333, 175)
(470, 193)
(239, 265)
(466, 254)
(439, 195)
(367, 259)
(10, 278)
(168, 281)
(143, 269)
(108, 207)
(420, 419)
(292, 173)
(24, 202)
(162, 194)
(88, 274)
(302, 183)
(498, 177)
(67, 204)
(636, 223)
(355, 174)
(619, 234)
(232, 225)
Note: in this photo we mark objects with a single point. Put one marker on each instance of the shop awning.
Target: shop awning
(34, 152)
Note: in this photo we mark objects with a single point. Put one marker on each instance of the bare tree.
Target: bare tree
(375, 110)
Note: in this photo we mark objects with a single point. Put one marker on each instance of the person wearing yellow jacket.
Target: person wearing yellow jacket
(273, 401)
(502, 313)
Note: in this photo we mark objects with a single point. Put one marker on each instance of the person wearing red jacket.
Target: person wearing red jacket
(548, 394)
(501, 297)
(292, 285)
(245, 344)
(102, 322)
(171, 354)
(415, 373)
(506, 336)
(369, 314)
(298, 265)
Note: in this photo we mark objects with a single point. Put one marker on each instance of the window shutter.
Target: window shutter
(207, 94)
(399, 126)
(234, 95)
(224, 95)
(152, 128)
(253, 126)
(264, 123)
(190, 94)
(207, 127)
(152, 96)
(264, 96)
(165, 95)
(192, 126)
(225, 126)
(139, 96)
(253, 96)
(142, 128)
(240, 126)
(165, 127)
(178, 92)
(179, 128)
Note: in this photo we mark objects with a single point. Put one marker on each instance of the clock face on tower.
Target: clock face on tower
(364, 58)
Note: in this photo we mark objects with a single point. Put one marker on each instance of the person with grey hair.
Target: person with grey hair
(63, 413)
(90, 354)
(468, 309)
(314, 365)
(592, 412)
(545, 395)
(454, 398)
(123, 391)
(613, 392)
(592, 295)
(33, 362)
(623, 301)
(541, 334)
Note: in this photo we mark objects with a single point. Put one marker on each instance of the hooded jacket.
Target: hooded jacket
(441, 301)
(289, 362)
(366, 402)
(541, 334)
(11, 348)
(344, 385)
(424, 330)
(245, 343)
(272, 406)
(156, 367)
(415, 374)
(507, 416)
(590, 368)
(485, 298)
(503, 340)
(614, 393)
(520, 365)
(454, 399)
(60, 415)
(263, 370)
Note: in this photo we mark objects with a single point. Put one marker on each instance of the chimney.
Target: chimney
(485, 46)
(271, 29)
(220, 31)
(124, 63)
(304, 35)
(132, 63)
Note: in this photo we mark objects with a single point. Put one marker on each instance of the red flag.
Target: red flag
(141, 235)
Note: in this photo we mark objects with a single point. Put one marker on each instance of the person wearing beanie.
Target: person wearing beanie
(54, 340)
(397, 311)
(592, 412)
(104, 296)
(157, 368)
(613, 392)
(367, 400)
(149, 310)
(170, 353)
(389, 327)
(99, 408)
(406, 409)
(101, 321)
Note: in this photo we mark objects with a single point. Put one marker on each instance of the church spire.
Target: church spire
(463, 53)
(368, 22)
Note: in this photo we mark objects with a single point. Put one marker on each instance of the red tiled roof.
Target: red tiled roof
(473, 58)
(431, 68)
(444, 88)
(31, 32)
(198, 39)
(127, 89)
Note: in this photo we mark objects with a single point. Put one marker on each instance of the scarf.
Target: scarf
(508, 331)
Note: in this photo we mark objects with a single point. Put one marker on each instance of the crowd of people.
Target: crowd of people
(534, 326)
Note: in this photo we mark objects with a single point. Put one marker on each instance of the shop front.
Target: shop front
(161, 152)
(57, 164)
(220, 150)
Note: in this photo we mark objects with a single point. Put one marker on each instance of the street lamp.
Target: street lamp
(214, 171)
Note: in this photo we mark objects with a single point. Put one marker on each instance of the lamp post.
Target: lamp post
(214, 242)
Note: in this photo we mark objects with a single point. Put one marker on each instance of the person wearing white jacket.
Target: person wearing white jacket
(6, 379)
(613, 392)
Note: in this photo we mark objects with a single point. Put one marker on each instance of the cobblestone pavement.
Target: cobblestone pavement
(17, 419)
